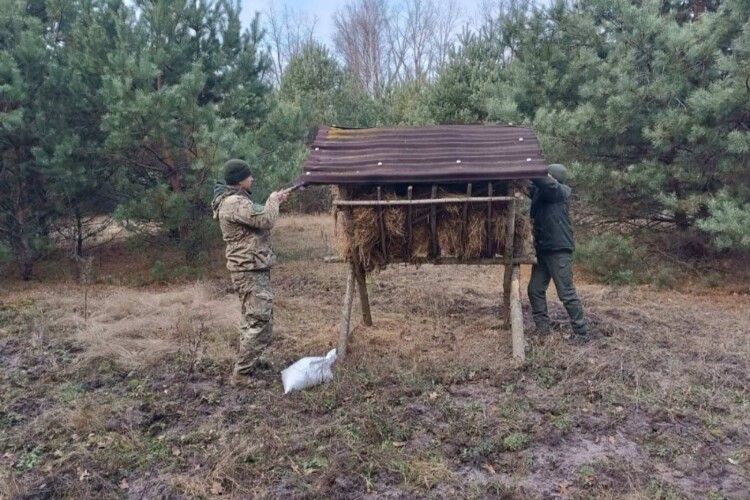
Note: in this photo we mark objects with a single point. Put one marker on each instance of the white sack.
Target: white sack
(308, 372)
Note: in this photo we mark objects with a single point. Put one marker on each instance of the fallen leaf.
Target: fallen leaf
(612, 439)
(217, 488)
(433, 395)
(83, 474)
(175, 451)
(489, 468)
(563, 487)
(399, 444)
(733, 461)
(124, 484)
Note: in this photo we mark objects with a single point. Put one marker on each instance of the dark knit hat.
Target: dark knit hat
(559, 172)
(236, 171)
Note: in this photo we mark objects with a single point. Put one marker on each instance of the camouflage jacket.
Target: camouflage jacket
(246, 228)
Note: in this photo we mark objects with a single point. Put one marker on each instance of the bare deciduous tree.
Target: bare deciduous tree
(363, 39)
(288, 31)
(382, 44)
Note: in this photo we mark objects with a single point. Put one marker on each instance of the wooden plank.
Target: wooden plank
(465, 221)
(510, 230)
(346, 316)
(516, 314)
(433, 223)
(364, 299)
(430, 201)
(409, 217)
(381, 225)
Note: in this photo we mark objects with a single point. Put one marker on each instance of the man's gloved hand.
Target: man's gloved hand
(281, 195)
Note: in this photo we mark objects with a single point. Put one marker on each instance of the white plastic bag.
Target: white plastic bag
(308, 372)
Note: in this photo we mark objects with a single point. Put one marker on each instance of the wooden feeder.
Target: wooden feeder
(458, 178)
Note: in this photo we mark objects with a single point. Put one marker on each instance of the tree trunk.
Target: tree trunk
(176, 185)
(24, 254)
(681, 219)
(26, 266)
(79, 234)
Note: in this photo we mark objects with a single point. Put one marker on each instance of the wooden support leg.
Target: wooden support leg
(516, 316)
(364, 299)
(510, 230)
(346, 316)
(507, 284)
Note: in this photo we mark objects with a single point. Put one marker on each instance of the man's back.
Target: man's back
(553, 231)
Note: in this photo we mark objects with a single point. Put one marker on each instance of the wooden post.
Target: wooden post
(510, 230)
(465, 221)
(346, 316)
(516, 317)
(381, 225)
(490, 225)
(433, 224)
(364, 300)
(409, 216)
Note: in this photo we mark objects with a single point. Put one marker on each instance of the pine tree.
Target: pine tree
(81, 178)
(28, 46)
(185, 82)
(660, 124)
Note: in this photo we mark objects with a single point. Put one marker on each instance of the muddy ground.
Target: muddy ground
(124, 394)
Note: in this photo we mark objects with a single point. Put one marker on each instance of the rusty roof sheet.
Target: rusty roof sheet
(440, 154)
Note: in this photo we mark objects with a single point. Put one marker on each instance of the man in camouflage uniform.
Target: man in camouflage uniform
(246, 229)
(553, 238)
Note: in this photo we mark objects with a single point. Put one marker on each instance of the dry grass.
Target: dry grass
(133, 400)
(141, 327)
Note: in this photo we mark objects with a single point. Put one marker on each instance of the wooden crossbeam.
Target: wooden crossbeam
(425, 201)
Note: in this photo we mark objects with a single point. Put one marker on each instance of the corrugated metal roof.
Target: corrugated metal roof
(444, 153)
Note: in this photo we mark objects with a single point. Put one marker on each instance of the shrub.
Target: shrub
(664, 278)
(158, 272)
(609, 257)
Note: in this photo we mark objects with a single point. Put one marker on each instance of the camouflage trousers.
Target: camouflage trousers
(256, 326)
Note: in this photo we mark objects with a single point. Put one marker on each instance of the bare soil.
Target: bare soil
(127, 396)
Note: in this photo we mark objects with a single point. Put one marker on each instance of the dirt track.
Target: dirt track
(132, 401)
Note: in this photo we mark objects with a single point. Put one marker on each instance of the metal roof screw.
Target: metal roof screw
(510, 123)
(380, 163)
(307, 173)
(520, 139)
(458, 161)
(528, 159)
(317, 149)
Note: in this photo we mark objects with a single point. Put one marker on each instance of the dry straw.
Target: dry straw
(359, 234)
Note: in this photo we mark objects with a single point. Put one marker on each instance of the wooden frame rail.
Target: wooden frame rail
(421, 201)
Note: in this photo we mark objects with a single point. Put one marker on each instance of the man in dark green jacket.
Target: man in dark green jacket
(553, 238)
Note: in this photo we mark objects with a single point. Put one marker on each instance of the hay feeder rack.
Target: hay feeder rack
(485, 161)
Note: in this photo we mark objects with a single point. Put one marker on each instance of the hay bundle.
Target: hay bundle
(359, 232)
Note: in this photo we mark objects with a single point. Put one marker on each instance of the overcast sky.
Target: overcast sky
(323, 10)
